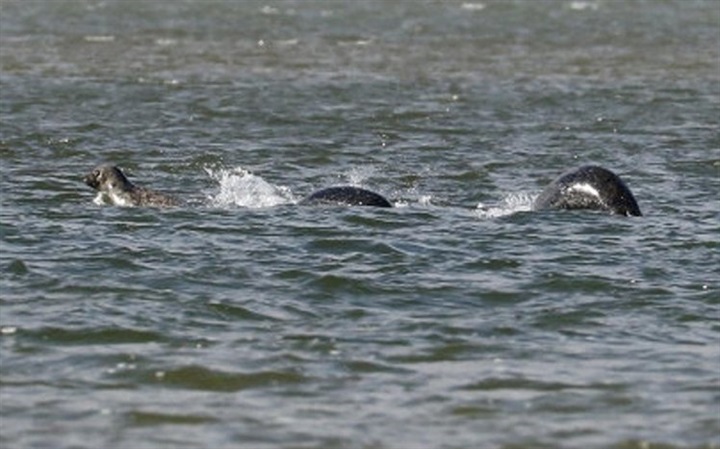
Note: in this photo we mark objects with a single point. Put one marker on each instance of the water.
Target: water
(459, 319)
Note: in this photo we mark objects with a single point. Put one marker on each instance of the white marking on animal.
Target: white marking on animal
(585, 188)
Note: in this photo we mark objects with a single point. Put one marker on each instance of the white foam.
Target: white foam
(584, 6)
(422, 200)
(99, 38)
(100, 199)
(269, 10)
(511, 204)
(425, 200)
(473, 6)
(111, 199)
(238, 187)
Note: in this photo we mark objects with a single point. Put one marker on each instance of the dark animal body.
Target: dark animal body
(116, 189)
(346, 196)
(589, 187)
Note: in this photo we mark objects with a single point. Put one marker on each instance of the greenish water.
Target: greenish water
(459, 319)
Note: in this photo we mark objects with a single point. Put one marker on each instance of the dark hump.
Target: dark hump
(589, 187)
(346, 196)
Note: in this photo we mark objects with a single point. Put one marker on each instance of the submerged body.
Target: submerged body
(114, 188)
(346, 196)
(589, 187)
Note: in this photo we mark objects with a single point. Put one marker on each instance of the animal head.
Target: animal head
(107, 178)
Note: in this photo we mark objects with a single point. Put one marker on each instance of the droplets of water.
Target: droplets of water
(239, 187)
(358, 176)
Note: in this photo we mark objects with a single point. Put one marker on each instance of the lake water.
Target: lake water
(458, 319)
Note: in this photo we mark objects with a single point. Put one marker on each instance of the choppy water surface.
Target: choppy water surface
(459, 319)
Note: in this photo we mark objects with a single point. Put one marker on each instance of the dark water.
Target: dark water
(458, 319)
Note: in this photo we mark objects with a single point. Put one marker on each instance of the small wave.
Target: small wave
(512, 203)
(238, 187)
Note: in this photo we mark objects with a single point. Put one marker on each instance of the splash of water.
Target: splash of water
(358, 175)
(239, 187)
(511, 204)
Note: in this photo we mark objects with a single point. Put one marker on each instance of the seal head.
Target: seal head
(114, 188)
(589, 187)
(346, 196)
